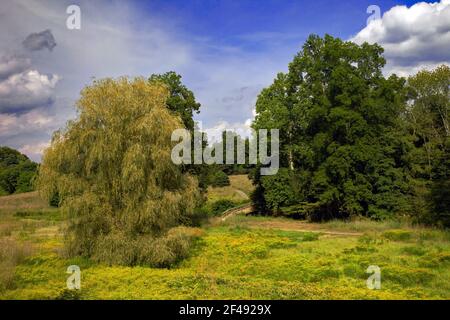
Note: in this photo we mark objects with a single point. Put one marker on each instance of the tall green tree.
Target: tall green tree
(339, 121)
(17, 171)
(112, 169)
(428, 118)
(180, 100)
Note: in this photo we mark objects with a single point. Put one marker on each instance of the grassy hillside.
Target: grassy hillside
(238, 191)
(240, 258)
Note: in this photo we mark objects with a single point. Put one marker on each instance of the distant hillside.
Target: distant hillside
(17, 172)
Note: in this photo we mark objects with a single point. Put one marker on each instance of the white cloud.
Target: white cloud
(214, 133)
(26, 90)
(34, 151)
(11, 64)
(13, 125)
(29, 130)
(413, 38)
(116, 39)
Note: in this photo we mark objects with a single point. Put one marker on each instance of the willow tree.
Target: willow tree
(124, 197)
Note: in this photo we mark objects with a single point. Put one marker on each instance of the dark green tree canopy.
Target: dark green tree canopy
(17, 171)
(338, 118)
(428, 121)
(181, 100)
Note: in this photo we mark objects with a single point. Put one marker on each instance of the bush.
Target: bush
(162, 251)
(16, 172)
(440, 203)
(54, 200)
(219, 179)
(397, 235)
(220, 206)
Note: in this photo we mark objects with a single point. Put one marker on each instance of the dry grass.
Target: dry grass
(242, 182)
(24, 218)
(12, 253)
(22, 201)
(238, 191)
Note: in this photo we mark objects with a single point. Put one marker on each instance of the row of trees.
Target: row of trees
(354, 142)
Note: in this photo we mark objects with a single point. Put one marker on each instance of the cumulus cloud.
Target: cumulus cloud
(11, 64)
(26, 90)
(27, 123)
(34, 151)
(413, 38)
(214, 133)
(40, 40)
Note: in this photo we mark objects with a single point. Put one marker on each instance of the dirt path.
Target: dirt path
(241, 210)
(299, 226)
(284, 224)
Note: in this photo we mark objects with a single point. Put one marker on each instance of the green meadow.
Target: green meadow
(241, 257)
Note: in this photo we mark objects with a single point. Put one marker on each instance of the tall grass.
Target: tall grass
(12, 253)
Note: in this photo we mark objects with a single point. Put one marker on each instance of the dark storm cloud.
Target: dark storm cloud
(39, 41)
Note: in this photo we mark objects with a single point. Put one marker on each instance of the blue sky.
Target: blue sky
(226, 51)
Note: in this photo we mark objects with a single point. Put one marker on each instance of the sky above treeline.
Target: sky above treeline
(225, 50)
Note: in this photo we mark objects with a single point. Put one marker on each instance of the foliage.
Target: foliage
(428, 122)
(220, 206)
(236, 168)
(16, 172)
(180, 100)
(277, 191)
(116, 182)
(341, 136)
(219, 179)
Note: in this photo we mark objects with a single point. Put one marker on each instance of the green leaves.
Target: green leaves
(336, 114)
(17, 172)
(180, 100)
(113, 173)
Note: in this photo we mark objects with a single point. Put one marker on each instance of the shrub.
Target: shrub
(310, 236)
(397, 235)
(219, 179)
(220, 206)
(54, 199)
(16, 172)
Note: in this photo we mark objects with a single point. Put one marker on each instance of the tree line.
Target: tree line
(353, 141)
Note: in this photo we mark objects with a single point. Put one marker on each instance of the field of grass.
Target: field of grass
(238, 191)
(240, 258)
